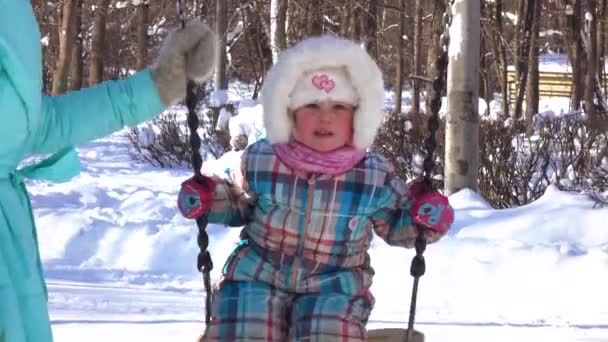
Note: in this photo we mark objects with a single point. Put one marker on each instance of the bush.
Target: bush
(164, 142)
(401, 138)
(514, 168)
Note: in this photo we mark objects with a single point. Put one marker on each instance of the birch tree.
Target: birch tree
(462, 126)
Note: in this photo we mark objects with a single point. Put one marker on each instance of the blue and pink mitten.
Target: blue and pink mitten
(430, 209)
(196, 197)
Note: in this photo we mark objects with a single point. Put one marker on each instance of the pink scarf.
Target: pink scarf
(301, 157)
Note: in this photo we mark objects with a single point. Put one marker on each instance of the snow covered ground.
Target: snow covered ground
(120, 261)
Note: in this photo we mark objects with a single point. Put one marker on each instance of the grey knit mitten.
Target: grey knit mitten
(186, 54)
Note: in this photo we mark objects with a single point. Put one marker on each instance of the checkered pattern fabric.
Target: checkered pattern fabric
(254, 311)
(304, 265)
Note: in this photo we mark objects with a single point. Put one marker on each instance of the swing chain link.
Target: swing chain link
(439, 88)
(434, 122)
(204, 262)
(418, 266)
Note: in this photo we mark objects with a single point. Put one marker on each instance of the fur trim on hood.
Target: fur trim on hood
(317, 53)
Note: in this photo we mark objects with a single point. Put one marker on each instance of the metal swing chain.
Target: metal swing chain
(204, 263)
(418, 266)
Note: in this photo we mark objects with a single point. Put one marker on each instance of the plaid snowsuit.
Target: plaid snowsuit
(303, 273)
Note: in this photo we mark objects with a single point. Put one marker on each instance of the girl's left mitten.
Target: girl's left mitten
(196, 197)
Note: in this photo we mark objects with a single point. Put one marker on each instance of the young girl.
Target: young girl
(310, 198)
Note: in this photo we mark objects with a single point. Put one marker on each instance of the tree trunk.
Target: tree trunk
(315, 18)
(400, 59)
(417, 56)
(483, 57)
(437, 29)
(503, 59)
(488, 59)
(221, 80)
(355, 20)
(517, 41)
(77, 62)
(591, 52)
(533, 77)
(579, 57)
(523, 53)
(462, 126)
(98, 42)
(278, 17)
(381, 20)
(66, 43)
(371, 29)
(141, 56)
(601, 41)
(287, 22)
(345, 15)
(571, 18)
(201, 8)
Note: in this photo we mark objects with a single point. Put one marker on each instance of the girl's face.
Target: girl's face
(324, 126)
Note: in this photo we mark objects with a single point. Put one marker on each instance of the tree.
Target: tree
(358, 22)
(527, 9)
(571, 19)
(66, 42)
(315, 18)
(590, 43)
(462, 124)
(221, 80)
(601, 38)
(501, 53)
(97, 42)
(141, 55)
(400, 59)
(278, 18)
(533, 76)
(77, 63)
(437, 29)
(371, 29)
(417, 56)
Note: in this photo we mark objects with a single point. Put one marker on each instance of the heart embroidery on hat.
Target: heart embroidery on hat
(323, 82)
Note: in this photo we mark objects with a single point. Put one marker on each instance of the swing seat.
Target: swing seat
(393, 335)
(382, 335)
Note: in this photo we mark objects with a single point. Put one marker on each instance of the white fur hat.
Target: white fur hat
(324, 55)
(321, 85)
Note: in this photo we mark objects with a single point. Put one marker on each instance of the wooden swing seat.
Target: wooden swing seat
(393, 335)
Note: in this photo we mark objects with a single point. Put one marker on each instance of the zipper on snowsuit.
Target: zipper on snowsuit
(302, 241)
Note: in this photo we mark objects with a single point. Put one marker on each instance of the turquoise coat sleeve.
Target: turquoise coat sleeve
(91, 113)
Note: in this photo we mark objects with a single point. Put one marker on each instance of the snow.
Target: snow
(123, 4)
(223, 119)
(218, 98)
(554, 62)
(120, 260)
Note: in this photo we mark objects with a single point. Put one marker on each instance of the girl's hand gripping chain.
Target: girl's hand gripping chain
(196, 198)
(430, 209)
